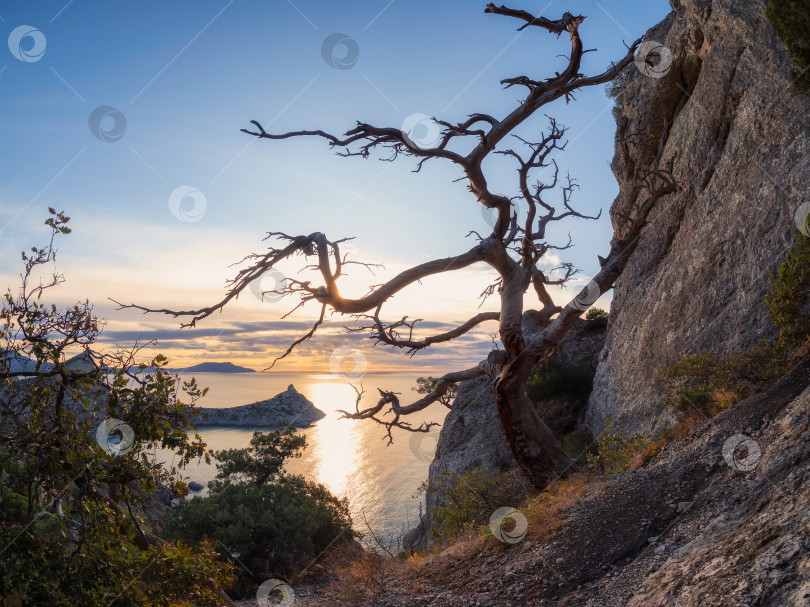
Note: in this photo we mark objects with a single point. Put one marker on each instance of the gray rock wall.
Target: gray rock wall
(738, 142)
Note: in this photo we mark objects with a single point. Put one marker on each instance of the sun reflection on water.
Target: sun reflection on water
(333, 442)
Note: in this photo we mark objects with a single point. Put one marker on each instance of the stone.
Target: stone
(287, 408)
(738, 141)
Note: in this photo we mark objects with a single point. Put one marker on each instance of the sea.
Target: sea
(353, 459)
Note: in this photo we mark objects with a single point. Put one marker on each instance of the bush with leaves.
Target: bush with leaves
(471, 497)
(75, 526)
(616, 452)
(791, 20)
(273, 524)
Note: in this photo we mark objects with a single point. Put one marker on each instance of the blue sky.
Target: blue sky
(186, 76)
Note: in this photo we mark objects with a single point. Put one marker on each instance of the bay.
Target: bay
(351, 458)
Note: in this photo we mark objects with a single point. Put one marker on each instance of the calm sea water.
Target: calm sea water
(352, 458)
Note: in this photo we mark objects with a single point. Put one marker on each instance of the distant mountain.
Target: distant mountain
(215, 368)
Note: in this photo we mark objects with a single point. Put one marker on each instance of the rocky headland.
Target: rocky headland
(287, 408)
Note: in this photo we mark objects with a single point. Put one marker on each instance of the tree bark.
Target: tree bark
(536, 450)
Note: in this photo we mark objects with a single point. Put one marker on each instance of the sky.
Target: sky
(127, 116)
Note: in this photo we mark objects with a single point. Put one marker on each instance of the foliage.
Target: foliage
(471, 497)
(272, 523)
(791, 20)
(426, 385)
(265, 458)
(596, 317)
(563, 383)
(75, 528)
(559, 393)
(615, 452)
(789, 299)
(575, 444)
(615, 90)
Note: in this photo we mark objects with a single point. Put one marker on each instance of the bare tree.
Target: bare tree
(529, 331)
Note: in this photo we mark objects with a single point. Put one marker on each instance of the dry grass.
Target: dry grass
(366, 576)
(544, 512)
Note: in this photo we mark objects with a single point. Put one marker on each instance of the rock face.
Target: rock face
(738, 140)
(472, 437)
(290, 407)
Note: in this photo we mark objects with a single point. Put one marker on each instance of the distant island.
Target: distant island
(227, 367)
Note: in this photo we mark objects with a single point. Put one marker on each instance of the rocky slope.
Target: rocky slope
(702, 525)
(738, 141)
(289, 407)
(472, 437)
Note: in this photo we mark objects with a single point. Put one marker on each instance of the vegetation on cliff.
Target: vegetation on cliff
(791, 20)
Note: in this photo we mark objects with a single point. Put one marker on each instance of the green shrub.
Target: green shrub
(575, 445)
(615, 90)
(471, 498)
(789, 300)
(559, 392)
(272, 522)
(551, 380)
(616, 452)
(596, 317)
(791, 20)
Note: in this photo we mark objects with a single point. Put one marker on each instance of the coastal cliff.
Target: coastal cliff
(736, 136)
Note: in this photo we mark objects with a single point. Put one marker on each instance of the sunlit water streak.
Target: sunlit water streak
(351, 458)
